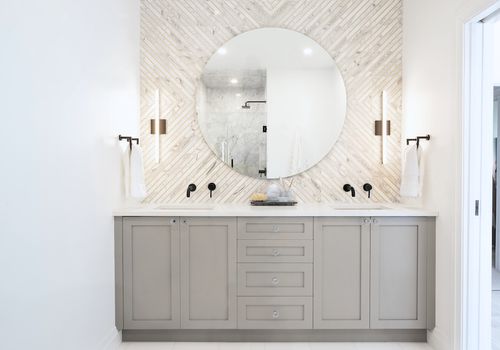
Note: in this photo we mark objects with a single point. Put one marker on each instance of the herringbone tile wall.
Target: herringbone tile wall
(178, 37)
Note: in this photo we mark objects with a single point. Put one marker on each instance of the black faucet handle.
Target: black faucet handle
(368, 188)
(191, 188)
(349, 188)
(211, 188)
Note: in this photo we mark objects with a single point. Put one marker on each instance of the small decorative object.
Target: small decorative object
(277, 195)
(256, 197)
(273, 203)
(274, 191)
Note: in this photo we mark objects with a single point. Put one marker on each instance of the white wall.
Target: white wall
(68, 86)
(305, 114)
(496, 50)
(432, 67)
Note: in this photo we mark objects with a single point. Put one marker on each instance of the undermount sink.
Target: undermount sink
(183, 207)
(360, 207)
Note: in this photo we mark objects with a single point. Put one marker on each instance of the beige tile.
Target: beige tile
(286, 346)
(273, 346)
(416, 346)
(332, 346)
(379, 346)
(147, 346)
(241, 346)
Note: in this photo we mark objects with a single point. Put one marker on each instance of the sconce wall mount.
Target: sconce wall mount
(163, 126)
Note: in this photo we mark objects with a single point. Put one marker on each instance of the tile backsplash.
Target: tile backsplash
(179, 36)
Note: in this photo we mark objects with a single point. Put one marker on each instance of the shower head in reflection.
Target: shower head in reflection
(247, 104)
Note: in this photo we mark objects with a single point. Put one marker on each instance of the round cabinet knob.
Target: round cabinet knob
(375, 221)
(276, 314)
(276, 229)
(276, 252)
(367, 221)
(184, 221)
(275, 281)
(172, 221)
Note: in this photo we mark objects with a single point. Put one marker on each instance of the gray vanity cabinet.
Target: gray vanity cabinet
(304, 273)
(151, 295)
(341, 273)
(208, 272)
(402, 273)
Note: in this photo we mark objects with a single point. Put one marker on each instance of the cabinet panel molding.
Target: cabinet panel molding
(151, 273)
(275, 227)
(341, 273)
(208, 273)
(399, 257)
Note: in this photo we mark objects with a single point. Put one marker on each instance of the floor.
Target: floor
(495, 279)
(495, 311)
(495, 320)
(275, 346)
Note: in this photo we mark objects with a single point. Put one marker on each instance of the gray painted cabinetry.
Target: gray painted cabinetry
(151, 298)
(341, 273)
(402, 273)
(331, 273)
(208, 273)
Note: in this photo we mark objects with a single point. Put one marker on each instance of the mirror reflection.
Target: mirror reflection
(271, 103)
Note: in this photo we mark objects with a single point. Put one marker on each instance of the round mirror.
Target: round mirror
(271, 103)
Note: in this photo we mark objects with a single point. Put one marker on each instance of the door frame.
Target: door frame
(474, 310)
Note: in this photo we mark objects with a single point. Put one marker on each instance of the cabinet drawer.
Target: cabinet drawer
(274, 313)
(274, 279)
(294, 251)
(275, 228)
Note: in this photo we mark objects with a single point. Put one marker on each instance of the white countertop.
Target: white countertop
(301, 209)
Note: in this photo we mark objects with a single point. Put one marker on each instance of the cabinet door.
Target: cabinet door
(398, 273)
(341, 273)
(208, 273)
(151, 273)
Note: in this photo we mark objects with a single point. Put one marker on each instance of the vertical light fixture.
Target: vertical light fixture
(383, 127)
(157, 126)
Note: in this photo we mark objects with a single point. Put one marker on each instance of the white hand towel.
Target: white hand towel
(137, 184)
(411, 177)
(295, 157)
(126, 171)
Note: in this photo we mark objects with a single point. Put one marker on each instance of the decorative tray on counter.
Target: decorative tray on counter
(273, 203)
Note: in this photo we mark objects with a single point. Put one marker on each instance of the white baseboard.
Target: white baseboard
(112, 341)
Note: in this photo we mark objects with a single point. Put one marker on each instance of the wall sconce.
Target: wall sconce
(383, 127)
(158, 126)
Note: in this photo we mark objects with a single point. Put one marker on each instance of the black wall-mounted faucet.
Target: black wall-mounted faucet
(191, 188)
(368, 188)
(211, 188)
(349, 188)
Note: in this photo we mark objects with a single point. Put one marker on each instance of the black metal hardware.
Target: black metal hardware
(368, 188)
(191, 188)
(264, 128)
(247, 104)
(418, 138)
(232, 163)
(129, 139)
(476, 208)
(349, 188)
(211, 188)
(263, 171)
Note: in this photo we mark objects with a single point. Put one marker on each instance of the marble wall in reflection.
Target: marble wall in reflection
(235, 134)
